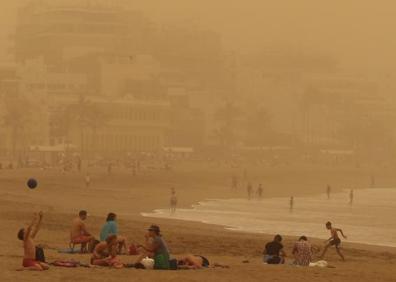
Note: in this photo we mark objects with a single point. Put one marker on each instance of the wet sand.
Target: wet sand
(61, 196)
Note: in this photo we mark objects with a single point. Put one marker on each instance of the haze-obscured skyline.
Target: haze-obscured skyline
(358, 34)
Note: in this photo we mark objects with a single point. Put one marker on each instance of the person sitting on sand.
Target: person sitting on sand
(155, 247)
(111, 228)
(302, 252)
(334, 240)
(79, 233)
(193, 262)
(274, 253)
(105, 253)
(27, 236)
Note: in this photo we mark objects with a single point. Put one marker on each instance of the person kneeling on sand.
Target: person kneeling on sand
(155, 247)
(27, 236)
(105, 253)
(111, 228)
(274, 253)
(302, 252)
(79, 233)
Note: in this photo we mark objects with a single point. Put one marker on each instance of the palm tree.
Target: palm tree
(86, 115)
(227, 117)
(16, 117)
(258, 127)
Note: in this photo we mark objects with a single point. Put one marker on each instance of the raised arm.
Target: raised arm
(37, 225)
(30, 227)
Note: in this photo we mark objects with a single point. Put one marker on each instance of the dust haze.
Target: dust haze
(282, 111)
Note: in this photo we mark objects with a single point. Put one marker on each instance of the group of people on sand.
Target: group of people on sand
(302, 250)
(105, 252)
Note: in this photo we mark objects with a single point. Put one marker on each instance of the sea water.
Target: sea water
(370, 219)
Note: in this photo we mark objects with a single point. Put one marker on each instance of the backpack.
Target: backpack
(40, 254)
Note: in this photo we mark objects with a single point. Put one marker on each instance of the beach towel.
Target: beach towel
(321, 263)
(69, 251)
(65, 263)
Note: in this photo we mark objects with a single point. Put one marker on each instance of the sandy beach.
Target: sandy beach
(62, 196)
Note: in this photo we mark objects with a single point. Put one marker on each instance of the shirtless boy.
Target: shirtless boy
(79, 233)
(334, 240)
(105, 253)
(27, 236)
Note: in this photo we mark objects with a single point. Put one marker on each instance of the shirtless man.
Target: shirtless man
(79, 233)
(105, 253)
(27, 236)
(334, 240)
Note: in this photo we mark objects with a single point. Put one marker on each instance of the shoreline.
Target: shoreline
(188, 216)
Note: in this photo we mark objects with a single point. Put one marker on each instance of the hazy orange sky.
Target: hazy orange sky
(360, 33)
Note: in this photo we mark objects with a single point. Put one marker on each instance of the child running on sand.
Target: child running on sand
(334, 240)
(27, 236)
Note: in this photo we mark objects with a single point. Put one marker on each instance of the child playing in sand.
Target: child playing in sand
(334, 240)
(27, 236)
(105, 253)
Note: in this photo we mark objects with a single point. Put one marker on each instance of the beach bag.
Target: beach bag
(161, 261)
(148, 263)
(40, 254)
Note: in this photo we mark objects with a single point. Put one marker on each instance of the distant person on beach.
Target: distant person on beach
(334, 240)
(260, 191)
(234, 182)
(105, 253)
(291, 204)
(273, 252)
(328, 191)
(87, 180)
(351, 196)
(372, 184)
(249, 190)
(79, 233)
(111, 228)
(302, 252)
(155, 247)
(173, 201)
(29, 248)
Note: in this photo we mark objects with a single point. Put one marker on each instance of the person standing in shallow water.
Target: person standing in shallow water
(173, 201)
(291, 204)
(260, 191)
(351, 197)
(328, 191)
(249, 190)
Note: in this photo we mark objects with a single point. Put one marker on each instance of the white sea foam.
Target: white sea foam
(370, 220)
